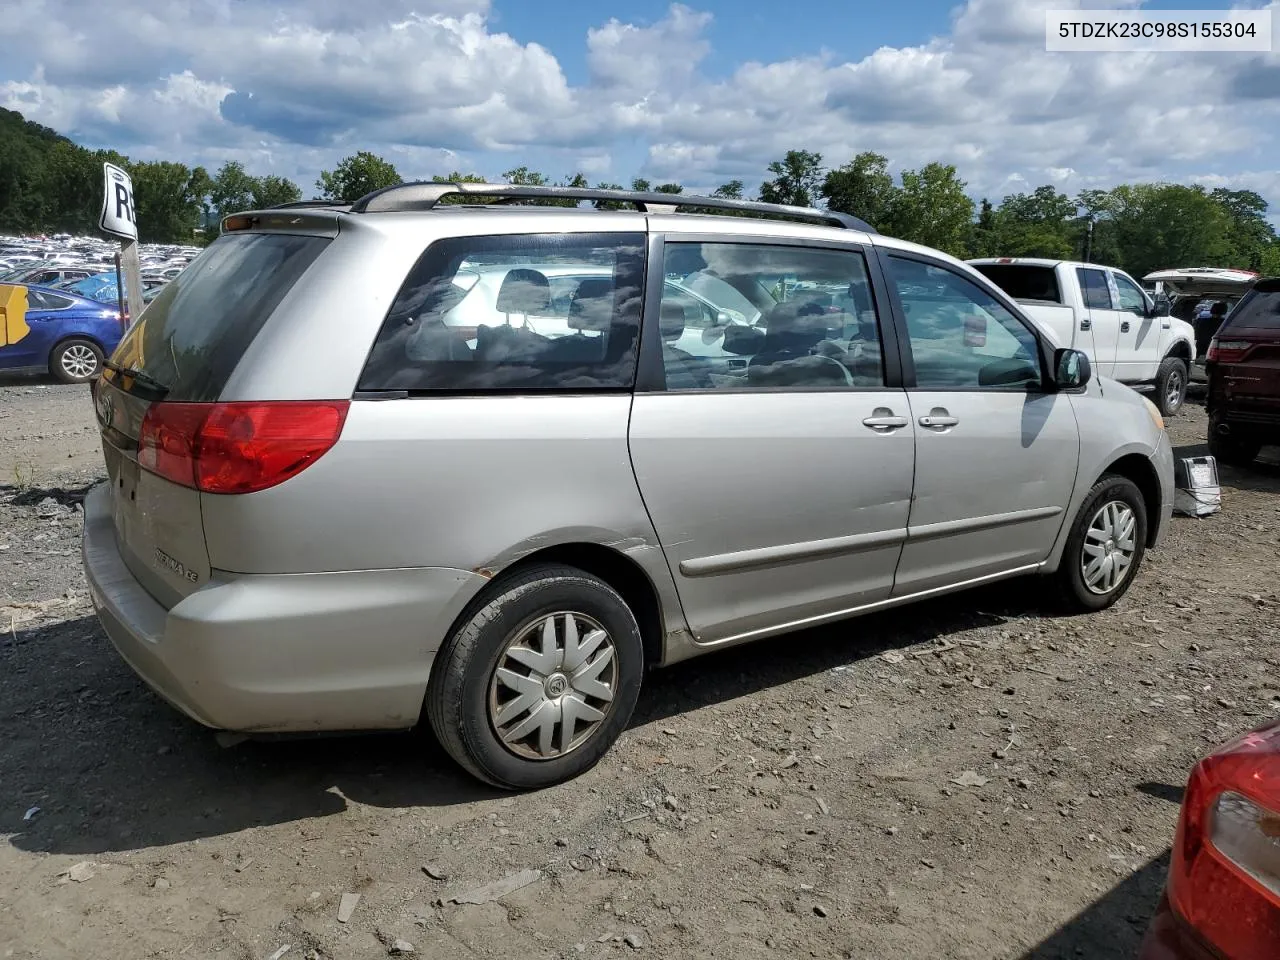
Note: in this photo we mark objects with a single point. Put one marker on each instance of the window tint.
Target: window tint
(194, 333)
(1130, 297)
(1023, 281)
(961, 337)
(1093, 285)
(39, 300)
(1259, 309)
(755, 316)
(533, 312)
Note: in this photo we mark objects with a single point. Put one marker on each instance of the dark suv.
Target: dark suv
(1243, 366)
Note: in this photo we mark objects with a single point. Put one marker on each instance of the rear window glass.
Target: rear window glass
(1259, 309)
(194, 333)
(1023, 282)
(553, 312)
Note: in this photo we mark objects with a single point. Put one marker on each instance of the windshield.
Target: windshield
(1259, 309)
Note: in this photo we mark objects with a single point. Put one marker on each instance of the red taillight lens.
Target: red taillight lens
(1223, 877)
(237, 447)
(1227, 351)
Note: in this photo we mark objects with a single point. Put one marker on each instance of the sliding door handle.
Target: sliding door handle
(939, 421)
(885, 423)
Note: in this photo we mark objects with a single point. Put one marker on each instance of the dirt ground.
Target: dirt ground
(964, 779)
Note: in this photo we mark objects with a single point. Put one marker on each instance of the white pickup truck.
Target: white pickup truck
(1103, 312)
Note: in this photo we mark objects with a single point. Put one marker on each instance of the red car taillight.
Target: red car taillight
(1224, 876)
(1227, 351)
(237, 447)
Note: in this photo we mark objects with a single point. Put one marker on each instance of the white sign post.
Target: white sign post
(119, 218)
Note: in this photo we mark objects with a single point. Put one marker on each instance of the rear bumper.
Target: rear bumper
(1168, 938)
(295, 652)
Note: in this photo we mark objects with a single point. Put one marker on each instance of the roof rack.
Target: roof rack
(427, 195)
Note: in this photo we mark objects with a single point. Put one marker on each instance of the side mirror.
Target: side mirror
(1072, 369)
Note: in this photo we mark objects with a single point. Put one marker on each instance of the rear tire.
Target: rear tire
(1171, 386)
(502, 686)
(1105, 547)
(76, 360)
(1236, 453)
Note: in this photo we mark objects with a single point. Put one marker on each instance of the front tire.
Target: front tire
(537, 683)
(1105, 547)
(1236, 453)
(1171, 386)
(76, 360)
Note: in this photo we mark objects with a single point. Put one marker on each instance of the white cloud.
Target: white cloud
(433, 84)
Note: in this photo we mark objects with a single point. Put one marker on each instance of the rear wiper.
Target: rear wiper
(142, 379)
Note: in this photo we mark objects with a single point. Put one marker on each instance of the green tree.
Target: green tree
(864, 188)
(1159, 225)
(1252, 234)
(932, 208)
(231, 190)
(668, 188)
(355, 176)
(641, 185)
(166, 208)
(729, 191)
(608, 204)
(272, 191)
(1036, 224)
(797, 179)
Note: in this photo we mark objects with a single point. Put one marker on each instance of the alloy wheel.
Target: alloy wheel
(79, 361)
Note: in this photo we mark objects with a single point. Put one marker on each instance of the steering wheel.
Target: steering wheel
(848, 377)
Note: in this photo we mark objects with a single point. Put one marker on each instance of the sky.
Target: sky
(699, 92)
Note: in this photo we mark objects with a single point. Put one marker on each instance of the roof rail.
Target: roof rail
(425, 195)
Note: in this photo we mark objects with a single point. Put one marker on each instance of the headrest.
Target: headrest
(793, 316)
(592, 305)
(524, 292)
(672, 319)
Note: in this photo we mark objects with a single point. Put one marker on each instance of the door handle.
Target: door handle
(885, 423)
(939, 421)
(1124, 326)
(1086, 324)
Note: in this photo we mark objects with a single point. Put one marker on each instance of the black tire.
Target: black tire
(1228, 450)
(71, 359)
(458, 694)
(1171, 386)
(1074, 594)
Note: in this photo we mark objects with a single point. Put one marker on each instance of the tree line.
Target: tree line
(49, 184)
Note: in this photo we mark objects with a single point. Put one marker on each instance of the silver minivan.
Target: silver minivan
(486, 463)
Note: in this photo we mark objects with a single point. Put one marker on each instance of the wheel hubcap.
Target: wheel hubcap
(79, 361)
(554, 685)
(1109, 547)
(1174, 395)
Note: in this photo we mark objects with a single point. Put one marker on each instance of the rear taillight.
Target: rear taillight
(1227, 351)
(237, 447)
(1224, 876)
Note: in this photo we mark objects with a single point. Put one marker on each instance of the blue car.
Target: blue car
(52, 331)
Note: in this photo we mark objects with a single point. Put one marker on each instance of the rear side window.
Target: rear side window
(1259, 309)
(194, 333)
(39, 300)
(535, 312)
(1023, 281)
(1093, 284)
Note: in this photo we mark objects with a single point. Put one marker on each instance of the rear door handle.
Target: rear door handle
(939, 421)
(1086, 324)
(884, 423)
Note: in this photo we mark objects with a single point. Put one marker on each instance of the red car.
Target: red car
(1243, 366)
(1222, 898)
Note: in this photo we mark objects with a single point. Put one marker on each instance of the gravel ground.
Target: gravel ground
(965, 779)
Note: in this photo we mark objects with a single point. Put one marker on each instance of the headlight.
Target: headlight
(1156, 418)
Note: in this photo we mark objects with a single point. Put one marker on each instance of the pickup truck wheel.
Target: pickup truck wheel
(1171, 386)
(1236, 453)
(539, 680)
(1105, 547)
